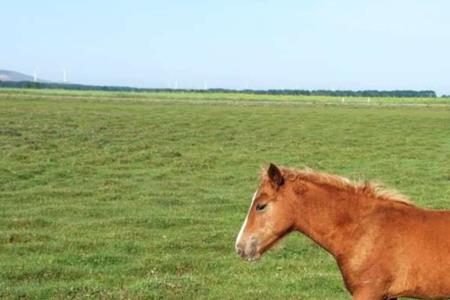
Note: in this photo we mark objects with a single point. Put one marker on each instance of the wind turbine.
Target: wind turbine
(35, 71)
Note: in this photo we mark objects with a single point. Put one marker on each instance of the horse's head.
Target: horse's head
(269, 218)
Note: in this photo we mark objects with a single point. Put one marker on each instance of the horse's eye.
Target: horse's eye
(260, 206)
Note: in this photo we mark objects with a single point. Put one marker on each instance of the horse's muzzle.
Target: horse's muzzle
(248, 250)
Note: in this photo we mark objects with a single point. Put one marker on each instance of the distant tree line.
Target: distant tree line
(338, 93)
(349, 93)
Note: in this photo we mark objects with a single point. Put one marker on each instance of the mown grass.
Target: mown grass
(143, 199)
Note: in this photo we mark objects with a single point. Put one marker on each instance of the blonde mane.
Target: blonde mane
(371, 189)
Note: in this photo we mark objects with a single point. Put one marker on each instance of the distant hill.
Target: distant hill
(6, 75)
(11, 79)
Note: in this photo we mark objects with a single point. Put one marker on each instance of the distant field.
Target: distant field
(130, 195)
(218, 98)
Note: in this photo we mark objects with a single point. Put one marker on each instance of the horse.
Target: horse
(384, 245)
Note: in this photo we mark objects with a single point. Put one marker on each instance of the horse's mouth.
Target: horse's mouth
(251, 257)
(255, 257)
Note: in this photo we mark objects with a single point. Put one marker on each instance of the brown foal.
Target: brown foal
(385, 246)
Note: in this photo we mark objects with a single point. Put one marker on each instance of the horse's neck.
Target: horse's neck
(329, 217)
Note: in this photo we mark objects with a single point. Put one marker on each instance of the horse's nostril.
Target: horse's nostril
(239, 250)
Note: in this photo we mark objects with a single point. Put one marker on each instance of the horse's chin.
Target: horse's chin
(255, 254)
(268, 245)
(255, 249)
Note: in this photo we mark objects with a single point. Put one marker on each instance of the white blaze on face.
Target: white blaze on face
(241, 232)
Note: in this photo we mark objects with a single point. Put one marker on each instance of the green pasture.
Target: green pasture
(200, 97)
(141, 195)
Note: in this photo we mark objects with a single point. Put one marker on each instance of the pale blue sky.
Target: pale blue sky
(401, 44)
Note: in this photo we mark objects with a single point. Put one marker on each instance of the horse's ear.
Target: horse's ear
(275, 175)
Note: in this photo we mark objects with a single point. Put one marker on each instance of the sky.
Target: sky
(292, 44)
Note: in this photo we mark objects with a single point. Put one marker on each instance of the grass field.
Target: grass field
(216, 98)
(121, 196)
